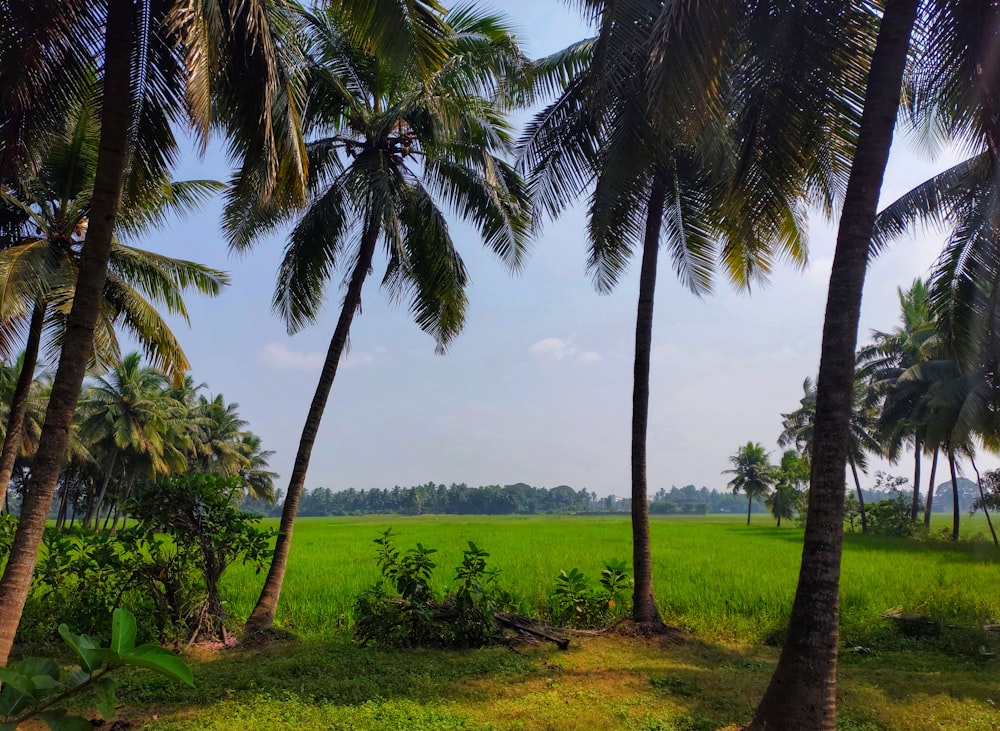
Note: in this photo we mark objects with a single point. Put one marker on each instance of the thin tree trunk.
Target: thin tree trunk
(267, 604)
(63, 502)
(644, 608)
(19, 400)
(802, 691)
(94, 509)
(982, 496)
(955, 514)
(79, 338)
(861, 497)
(749, 505)
(915, 509)
(930, 489)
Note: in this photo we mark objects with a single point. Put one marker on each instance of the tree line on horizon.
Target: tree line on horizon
(702, 129)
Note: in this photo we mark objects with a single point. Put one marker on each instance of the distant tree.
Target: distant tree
(788, 498)
(753, 473)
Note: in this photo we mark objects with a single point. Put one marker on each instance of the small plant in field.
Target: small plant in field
(574, 602)
(414, 615)
(34, 687)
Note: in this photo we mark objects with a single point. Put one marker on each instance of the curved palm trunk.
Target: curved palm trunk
(930, 489)
(94, 508)
(861, 497)
(802, 691)
(915, 508)
(982, 496)
(955, 514)
(267, 604)
(19, 401)
(79, 338)
(644, 608)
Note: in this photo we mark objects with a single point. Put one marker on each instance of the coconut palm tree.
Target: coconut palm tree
(392, 148)
(883, 363)
(39, 261)
(160, 66)
(753, 473)
(664, 167)
(126, 412)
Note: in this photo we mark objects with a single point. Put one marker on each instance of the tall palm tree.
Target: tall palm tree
(802, 690)
(883, 363)
(657, 171)
(391, 146)
(160, 65)
(753, 473)
(39, 261)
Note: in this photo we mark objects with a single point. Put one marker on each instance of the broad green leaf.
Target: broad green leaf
(164, 662)
(12, 700)
(85, 647)
(17, 681)
(35, 666)
(58, 720)
(122, 631)
(76, 677)
(107, 700)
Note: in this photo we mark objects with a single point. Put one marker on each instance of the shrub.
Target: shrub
(574, 602)
(402, 609)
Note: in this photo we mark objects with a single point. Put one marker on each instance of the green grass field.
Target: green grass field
(714, 576)
(729, 585)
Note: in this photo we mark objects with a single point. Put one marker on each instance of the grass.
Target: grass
(728, 584)
(713, 576)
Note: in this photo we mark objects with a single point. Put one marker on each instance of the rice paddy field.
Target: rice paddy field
(714, 576)
(728, 585)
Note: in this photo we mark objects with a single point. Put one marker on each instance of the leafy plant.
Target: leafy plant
(35, 686)
(575, 602)
(415, 615)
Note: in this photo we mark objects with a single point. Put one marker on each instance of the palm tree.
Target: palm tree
(754, 473)
(798, 428)
(883, 363)
(392, 145)
(655, 170)
(219, 65)
(787, 498)
(802, 691)
(127, 413)
(39, 261)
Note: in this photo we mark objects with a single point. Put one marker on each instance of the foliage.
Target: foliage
(198, 512)
(415, 615)
(891, 516)
(165, 568)
(575, 602)
(35, 686)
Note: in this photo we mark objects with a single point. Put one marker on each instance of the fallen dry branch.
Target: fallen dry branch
(526, 625)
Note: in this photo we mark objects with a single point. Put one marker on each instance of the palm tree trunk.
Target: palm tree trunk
(79, 338)
(915, 509)
(930, 489)
(802, 691)
(861, 497)
(955, 515)
(749, 505)
(94, 509)
(19, 400)
(267, 604)
(982, 496)
(644, 608)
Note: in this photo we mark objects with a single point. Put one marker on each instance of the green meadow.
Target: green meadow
(727, 585)
(714, 576)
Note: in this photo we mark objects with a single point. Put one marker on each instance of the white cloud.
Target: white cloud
(558, 349)
(278, 355)
(819, 270)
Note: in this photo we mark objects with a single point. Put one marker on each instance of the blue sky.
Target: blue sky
(538, 387)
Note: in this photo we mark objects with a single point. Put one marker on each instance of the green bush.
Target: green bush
(574, 602)
(403, 610)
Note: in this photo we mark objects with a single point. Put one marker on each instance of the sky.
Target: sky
(537, 388)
